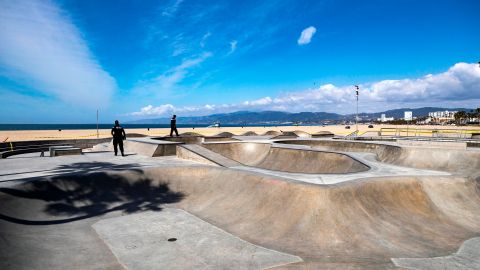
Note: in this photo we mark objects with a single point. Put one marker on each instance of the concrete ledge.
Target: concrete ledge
(184, 153)
(150, 148)
(208, 155)
(52, 149)
(67, 152)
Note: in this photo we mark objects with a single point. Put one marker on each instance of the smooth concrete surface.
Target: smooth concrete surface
(413, 206)
(286, 159)
(467, 258)
(465, 162)
(150, 147)
(140, 241)
(187, 154)
(16, 169)
(198, 153)
(145, 146)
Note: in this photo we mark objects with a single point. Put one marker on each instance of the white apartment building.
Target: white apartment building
(384, 118)
(443, 114)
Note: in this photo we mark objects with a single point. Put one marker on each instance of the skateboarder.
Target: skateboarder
(118, 136)
(173, 125)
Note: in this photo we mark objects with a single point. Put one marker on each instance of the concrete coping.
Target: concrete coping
(150, 140)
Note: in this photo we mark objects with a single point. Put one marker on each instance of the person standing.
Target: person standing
(118, 136)
(173, 125)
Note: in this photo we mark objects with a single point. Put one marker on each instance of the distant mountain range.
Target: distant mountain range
(276, 117)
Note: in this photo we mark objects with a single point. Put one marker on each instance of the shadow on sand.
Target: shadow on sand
(80, 196)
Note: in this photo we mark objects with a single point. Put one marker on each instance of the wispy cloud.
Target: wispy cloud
(458, 86)
(41, 47)
(170, 10)
(203, 41)
(169, 79)
(306, 35)
(233, 46)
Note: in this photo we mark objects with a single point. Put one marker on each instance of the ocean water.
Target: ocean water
(108, 126)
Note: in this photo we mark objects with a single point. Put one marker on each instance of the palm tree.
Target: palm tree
(459, 116)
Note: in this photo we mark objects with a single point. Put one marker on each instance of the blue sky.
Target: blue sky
(62, 60)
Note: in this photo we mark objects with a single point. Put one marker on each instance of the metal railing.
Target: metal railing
(430, 133)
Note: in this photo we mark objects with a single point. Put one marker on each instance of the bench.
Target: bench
(26, 150)
(52, 149)
(66, 151)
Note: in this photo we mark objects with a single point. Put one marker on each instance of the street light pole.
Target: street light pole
(356, 116)
(97, 125)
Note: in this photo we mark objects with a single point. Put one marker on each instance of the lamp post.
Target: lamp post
(97, 125)
(356, 116)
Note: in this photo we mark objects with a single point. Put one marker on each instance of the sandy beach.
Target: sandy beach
(27, 135)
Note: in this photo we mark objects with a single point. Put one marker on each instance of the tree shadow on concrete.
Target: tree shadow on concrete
(84, 167)
(80, 196)
(96, 166)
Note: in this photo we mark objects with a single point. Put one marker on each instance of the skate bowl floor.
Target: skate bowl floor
(148, 218)
(266, 156)
(140, 212)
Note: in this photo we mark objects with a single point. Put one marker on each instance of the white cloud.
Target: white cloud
(306, 35)
(160, 110)
(40, 47)
(259, 102)
(458, 86)
(233, 46)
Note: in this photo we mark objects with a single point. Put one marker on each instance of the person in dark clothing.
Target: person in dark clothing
(118, 136)
(173, 125)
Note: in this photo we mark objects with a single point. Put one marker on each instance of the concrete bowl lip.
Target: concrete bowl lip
(298, 148)
(377, 143)
(151, 140)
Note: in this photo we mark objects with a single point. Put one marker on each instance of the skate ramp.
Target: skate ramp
(266, 156)
(360, 223)
(463, 162)
(354, 225)
(271, 133)
(249, 133)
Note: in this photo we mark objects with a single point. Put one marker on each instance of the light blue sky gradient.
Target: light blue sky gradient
(62, 60)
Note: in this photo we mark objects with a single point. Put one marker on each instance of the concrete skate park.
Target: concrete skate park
(272, 201)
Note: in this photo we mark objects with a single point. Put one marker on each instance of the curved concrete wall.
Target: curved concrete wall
(464, 162)
(353, 225)
(265, 156)
(402, 216)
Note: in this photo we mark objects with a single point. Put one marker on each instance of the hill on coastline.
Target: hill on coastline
(277, 117)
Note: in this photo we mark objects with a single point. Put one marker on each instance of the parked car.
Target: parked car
(370, 126)
(347, 127)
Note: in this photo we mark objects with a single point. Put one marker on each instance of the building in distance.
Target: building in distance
(383, 118)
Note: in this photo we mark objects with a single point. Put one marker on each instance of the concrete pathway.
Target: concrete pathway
(141, 241)
(31, 165)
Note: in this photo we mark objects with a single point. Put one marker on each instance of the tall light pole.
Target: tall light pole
(97, 124)
(356, 116)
